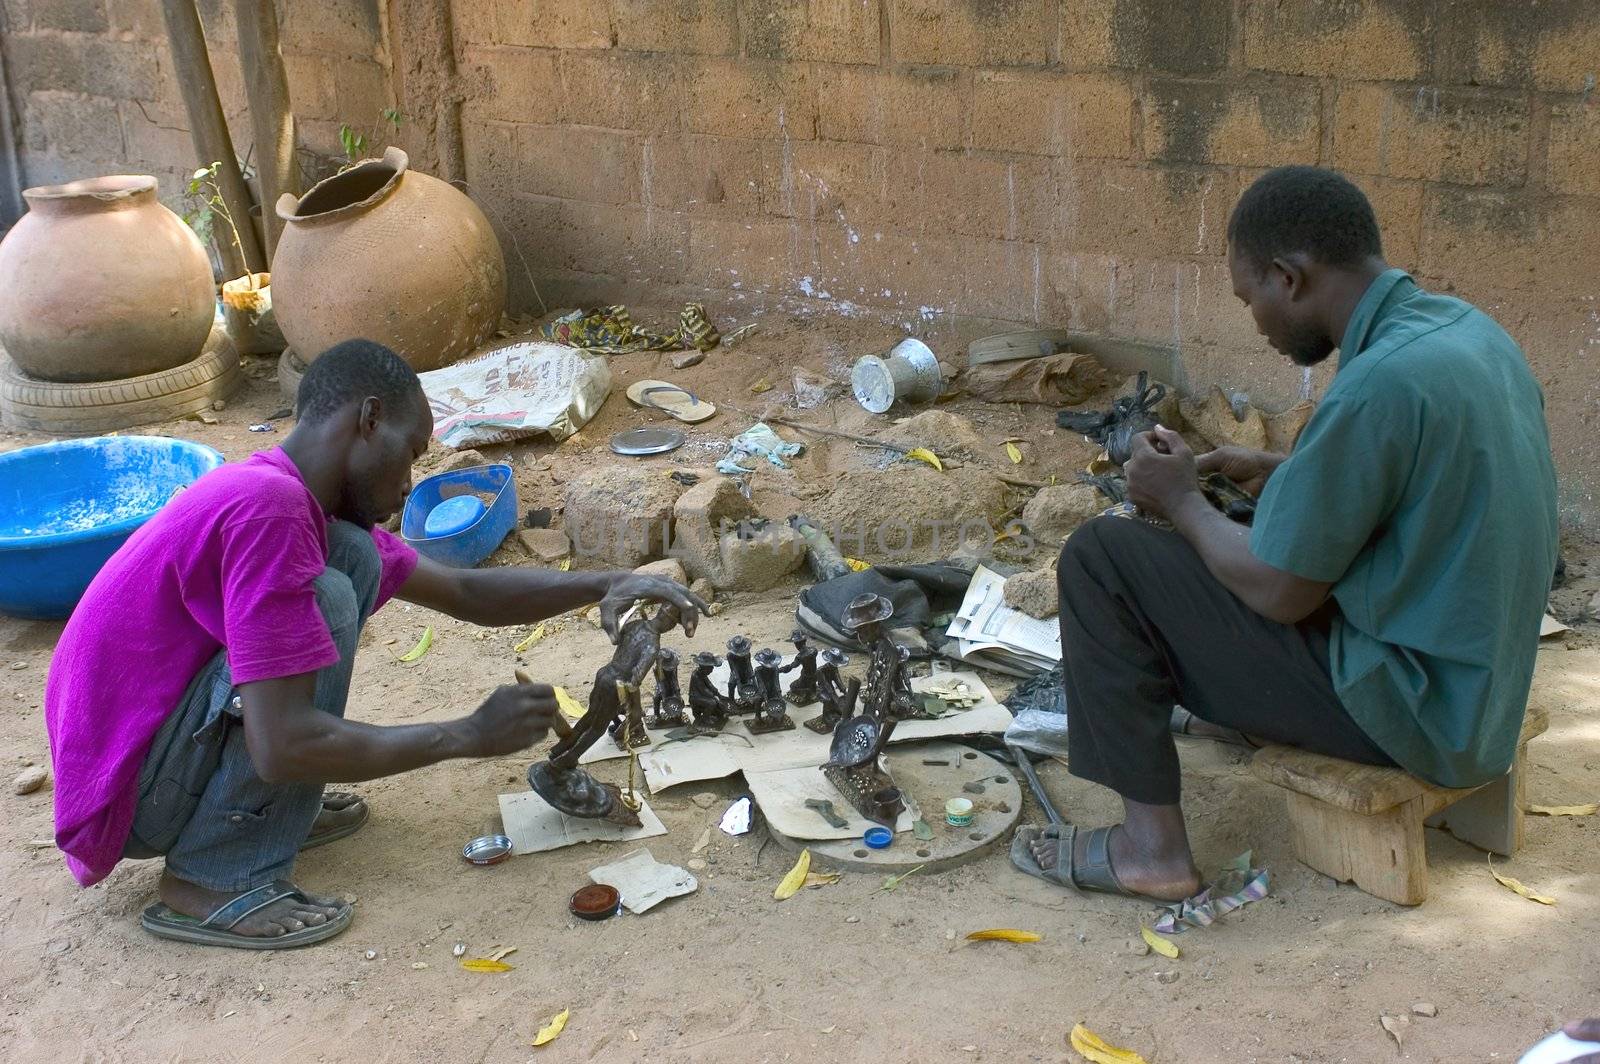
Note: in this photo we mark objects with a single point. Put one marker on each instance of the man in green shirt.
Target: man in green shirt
(1385, 607)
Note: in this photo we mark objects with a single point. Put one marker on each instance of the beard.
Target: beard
(1307, 346)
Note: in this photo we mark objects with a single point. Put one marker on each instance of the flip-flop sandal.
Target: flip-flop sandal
(339, 800)
(217, 929)
(671, 400)
(1093, 875)
(1182, 719)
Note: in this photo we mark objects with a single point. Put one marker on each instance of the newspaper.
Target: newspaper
(989, 633)
(514, 389)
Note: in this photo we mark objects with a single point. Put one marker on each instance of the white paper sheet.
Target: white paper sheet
(645, 882)
(986, 623)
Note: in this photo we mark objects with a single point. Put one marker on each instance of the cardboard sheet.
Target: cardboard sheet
(534, 826)
(645, 882)
(782, 795)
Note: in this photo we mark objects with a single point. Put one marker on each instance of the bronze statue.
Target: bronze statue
(614, 705)
(803, 692)
(837, 699)
(666, 705)
(709, 706)
(744, 695)
(852, 764)
(772, 716)
(888, 682)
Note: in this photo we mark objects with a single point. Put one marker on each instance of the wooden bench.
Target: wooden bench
(1363, 824)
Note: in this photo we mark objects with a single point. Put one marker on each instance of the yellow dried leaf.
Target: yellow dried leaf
(821, 879)
(1565, 810)
(762, 385)
(484, 964)
(533, 637)
(422, 646)
(1518, 887)
(922, 454)
(1014, 454)
(791, 884)
(1004, 934)
(1161, 945)
(857, 565)
(566, 564)
(1097, 1050)
(549, 1031)
(568, 704)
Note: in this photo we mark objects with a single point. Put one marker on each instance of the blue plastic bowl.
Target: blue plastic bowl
(470, 545)
(66, 507)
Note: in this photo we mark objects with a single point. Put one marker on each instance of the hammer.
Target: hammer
(563, 729)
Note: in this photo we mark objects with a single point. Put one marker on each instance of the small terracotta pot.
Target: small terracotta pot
(381, 252)
(99, 282)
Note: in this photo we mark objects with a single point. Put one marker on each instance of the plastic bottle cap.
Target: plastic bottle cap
(452, 516)
(878, 838)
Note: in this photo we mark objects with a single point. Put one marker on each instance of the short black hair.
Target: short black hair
(353, 370)
(1305, 209)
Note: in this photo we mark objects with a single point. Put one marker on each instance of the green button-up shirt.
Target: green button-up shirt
(1423, 489)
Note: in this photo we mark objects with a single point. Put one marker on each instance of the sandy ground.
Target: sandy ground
(843, 973)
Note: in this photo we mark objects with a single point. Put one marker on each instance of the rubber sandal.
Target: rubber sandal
(1182, 719)
(322, 838)
(670, 399)
(1093, 876)
(1022, 852)
(217, 929)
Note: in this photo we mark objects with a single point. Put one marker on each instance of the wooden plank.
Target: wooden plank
(271, 117)
(1382, 853)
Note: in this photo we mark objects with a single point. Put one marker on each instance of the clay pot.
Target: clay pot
(101, 282)
(384, 253)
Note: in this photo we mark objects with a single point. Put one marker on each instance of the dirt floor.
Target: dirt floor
(847, 972)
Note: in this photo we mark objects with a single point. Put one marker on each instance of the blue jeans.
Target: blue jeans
(201, 803)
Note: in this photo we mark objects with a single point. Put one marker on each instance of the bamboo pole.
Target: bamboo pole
(209, 129)
(271, 116)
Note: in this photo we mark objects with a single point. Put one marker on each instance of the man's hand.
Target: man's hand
(1246, 468)
(627, 588)
(1160, 471)
(511, 719)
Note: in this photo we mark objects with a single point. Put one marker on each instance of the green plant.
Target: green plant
(205, 204)
(354, 141)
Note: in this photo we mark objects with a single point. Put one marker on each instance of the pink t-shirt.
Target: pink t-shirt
(229, 562)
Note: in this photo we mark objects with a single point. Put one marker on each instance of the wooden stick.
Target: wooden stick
(563, 729)
(271, 117)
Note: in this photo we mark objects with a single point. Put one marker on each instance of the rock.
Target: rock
(705, 799)
(620, 515)
(548, 545)
(714, 609)
(462, 460)
(910, 512)
(205, 417)
(688, 358)
(668, 568)
(18, 666)
(29, 780)
(1138, 948)
(852, 919)
(219, 405)
(811, 390)
(1034, 593)
(1057, 511)
(1166, 978)
(703, 588)
(1423, 1008)
(696, 864)
(752, 555)
(1213, 419)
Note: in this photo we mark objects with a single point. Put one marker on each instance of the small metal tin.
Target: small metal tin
(597, 901)
(487, 850)
(878, 838)
(958, 812)
(654, 440)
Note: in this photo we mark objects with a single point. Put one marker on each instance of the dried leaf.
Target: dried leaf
(1159, 944)
(1097, 1050)
(890, 882)
(922, 454)
(857, 565)
(791, 884)
(1565, 810)
(533, 637)
(1004, 934)
(821, 879)
(566, 564)
(1014, 454)
(1395, 1025)
(422, 646)
(1518, 887)
(502, 953)
(762, 385)
(549, 1031)
(484, 964)
(568, 704)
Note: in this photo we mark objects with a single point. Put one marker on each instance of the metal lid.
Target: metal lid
(597, 901)
(487, 849)
(872, 384)
(644, 441)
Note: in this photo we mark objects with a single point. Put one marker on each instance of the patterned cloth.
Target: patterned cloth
(1237, 885)
(610, 330)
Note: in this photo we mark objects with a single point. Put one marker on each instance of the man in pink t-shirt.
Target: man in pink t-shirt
(196, 700)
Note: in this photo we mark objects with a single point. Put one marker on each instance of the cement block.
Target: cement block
(619, 515)
(719, 536)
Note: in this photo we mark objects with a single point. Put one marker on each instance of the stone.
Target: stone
(705, 799)
(811, 390)
(720, 537)
(462, 460)
(696, 864)
(1138, 948)
(667, 568)
(704, 589)
(1034, 593)
(910, 512)
(687, 359)
(1057, 511)
(1213, 418)
(620, 515)
(548, 545)
(29, 780)
(1423, 1008)
(219, 405)
(1167, 978)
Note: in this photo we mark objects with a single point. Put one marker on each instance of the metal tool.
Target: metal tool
(825, 810)
(1019, 757)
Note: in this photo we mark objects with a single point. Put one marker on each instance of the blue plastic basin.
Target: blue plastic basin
(470, 545)
(66, 507)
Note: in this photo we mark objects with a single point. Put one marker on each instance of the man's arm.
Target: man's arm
(1166, 484)
(514, 595)
(291, 740)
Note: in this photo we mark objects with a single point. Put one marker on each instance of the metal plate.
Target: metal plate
(995, 813)
(647, 441)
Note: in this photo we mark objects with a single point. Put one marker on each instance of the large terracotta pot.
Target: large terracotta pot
(99, 281)
(383, 253)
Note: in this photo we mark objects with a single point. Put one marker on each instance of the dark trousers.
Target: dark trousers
(1145, 626)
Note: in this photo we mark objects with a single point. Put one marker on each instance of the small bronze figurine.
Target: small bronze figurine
(744, 696)
(772, 716)
(803, 692)
(709, 706)
(666, 706)
(832, 692)
(852, 764)
(614, 705)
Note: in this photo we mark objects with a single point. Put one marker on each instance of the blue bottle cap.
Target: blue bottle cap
(878, 838)
(452, 516)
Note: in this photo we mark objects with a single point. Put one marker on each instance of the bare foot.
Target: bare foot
(277, 919)
(1170, 877)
